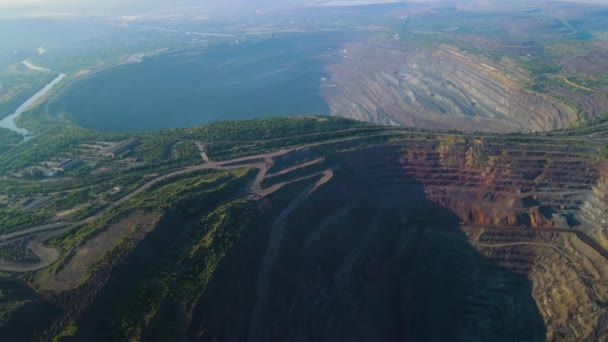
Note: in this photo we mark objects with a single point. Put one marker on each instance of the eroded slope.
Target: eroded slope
(379, 235)
(439, 87)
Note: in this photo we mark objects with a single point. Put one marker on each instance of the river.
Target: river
(32, 66)
(9, 121)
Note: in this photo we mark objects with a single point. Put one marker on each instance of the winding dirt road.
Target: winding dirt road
(243, 162)
(262, 162)
(49, 255)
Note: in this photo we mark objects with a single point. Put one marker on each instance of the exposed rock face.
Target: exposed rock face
(591, 105)
(449, 238)
(369, 257)
(392, 83)
(534, 185)
(593, 64)
(571, 299)
(594, 210)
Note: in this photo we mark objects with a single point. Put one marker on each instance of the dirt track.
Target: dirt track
(47, 255)
(50, 255)
(272, 251)
(581, 235)
(211, 165)
(262, 162)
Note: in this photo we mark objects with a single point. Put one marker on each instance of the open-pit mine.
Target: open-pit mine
(395, 83)
(422, 171)
(359, 233)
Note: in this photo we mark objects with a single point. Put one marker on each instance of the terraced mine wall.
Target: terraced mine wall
(390, 250)
(356, 261)
(535, 184)
(443, 237)
(440, 88)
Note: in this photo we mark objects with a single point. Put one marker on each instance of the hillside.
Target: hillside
(316, 229)
(440, 88)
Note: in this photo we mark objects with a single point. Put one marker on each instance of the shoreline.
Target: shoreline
(9, 121)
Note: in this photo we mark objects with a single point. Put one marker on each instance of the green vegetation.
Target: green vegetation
(69, 331)
(18, 252)
(222, 151)
(213, 238)
(8, 137)
(190, 194)
(56, 140)
(53, 139)
(92, 187)
(81, 233)
(73, 199)
(13, 219)
(185, 151)
(596, 126)
(201, 216)
(270, 128)
(19, 84)
(185, 275)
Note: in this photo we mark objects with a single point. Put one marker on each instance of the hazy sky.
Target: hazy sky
(137, 6)
(10, 8)
(122, 7)
(92, 4)
(147, 4)
(79, 4)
